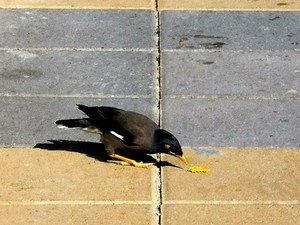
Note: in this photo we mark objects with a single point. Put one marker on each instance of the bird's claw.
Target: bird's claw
(136, 164)
(122, 163)
(142, 165)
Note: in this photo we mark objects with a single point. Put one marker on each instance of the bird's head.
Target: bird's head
(167, 143)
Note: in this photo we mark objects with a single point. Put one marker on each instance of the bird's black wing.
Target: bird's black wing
(111, 120)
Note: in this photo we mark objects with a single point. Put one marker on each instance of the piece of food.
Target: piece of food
(198, 169)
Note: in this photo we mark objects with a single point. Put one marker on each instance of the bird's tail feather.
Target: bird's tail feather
(73, 123)
(83, 124)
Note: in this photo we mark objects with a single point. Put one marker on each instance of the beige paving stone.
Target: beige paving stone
(231, 214)
(76, 214)
(236, 174)
(261, 5)
(78, 4)
(33, 174)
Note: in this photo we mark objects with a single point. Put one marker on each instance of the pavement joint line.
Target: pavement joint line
(147, 7)
(141, 50)
(204, 97)
(20, 6)
(80, 49)
(233, 202)
(234, 97)
(229, 50)
(155, 195)
(72, 95)
(279, 148)
(210, 9)
(77, 202)
(158, 216)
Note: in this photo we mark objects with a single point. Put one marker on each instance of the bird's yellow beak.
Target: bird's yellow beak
(182, 158)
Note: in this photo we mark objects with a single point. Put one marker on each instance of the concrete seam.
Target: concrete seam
(242, 147)
(80, 49)
(234, 202)
(25, 95)
(150, 50)
(170, 202)
(211, 9)
(159, 97)
(75, 202)
(73, 7)
(234, 97)
(183, 50)
(204, 97)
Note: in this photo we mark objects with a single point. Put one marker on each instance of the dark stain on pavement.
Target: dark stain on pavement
(201, 40)
(205, 62)
(208, 36)
(214, 45)
(282, 3)
(275, 18)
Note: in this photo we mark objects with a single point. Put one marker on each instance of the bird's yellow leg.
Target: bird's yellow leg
(118, 162)
(131, 161)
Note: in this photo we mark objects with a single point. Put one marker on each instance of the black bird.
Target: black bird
(125, 130)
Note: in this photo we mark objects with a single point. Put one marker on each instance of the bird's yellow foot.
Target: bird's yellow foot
(122, 163)
(142, 165)
(126, 161)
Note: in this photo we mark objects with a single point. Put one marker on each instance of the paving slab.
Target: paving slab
(44, 28)
(42, 185)
(261, 5)
(41, 175)
(235, 30)
(229, 72)
(79, 4)
(68, 72)
(230, 214)
(77, 214)
(239, 175)
(27, 121)
(232, 121)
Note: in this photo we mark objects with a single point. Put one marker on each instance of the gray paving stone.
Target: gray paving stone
(77, 28)
(227, 72)
(233, 122)
(230, 30)
(26, 121)
(77, 72)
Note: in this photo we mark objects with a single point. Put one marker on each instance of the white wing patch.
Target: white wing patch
(63, 127)
(117, 135)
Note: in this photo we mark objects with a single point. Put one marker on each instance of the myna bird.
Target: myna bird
(125, 130)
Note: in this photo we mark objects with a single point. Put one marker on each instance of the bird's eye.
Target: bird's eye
(167, 146)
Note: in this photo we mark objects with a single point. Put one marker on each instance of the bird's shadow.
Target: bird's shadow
(97, 151)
